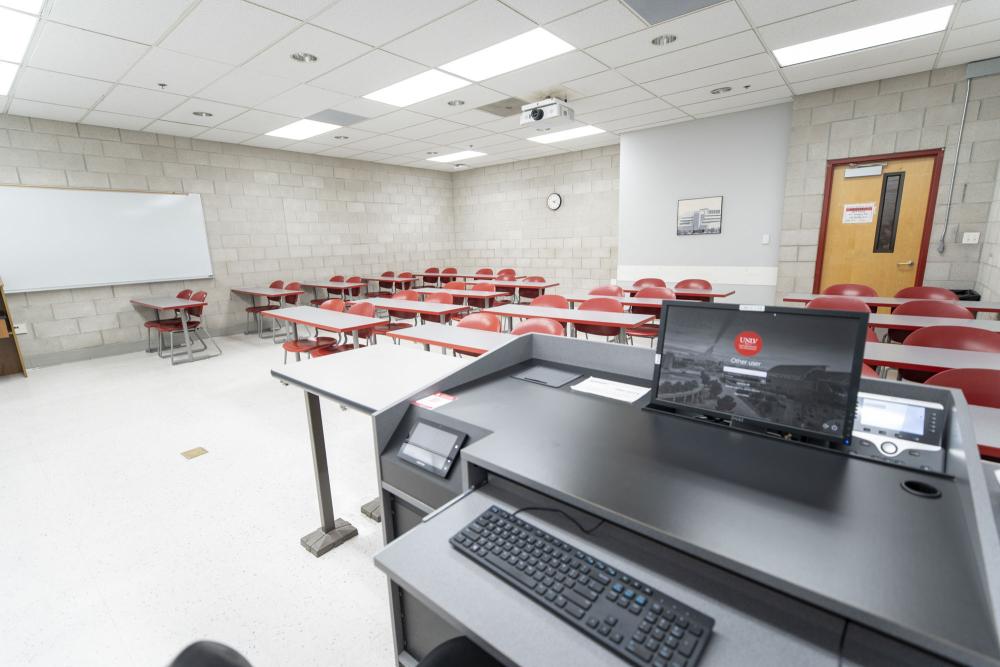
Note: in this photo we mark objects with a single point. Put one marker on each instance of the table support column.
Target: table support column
(332, 531)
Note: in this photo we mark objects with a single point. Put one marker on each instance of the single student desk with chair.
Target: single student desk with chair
(325, 320)
(891, 302)
(929, 359)
(574, 316)
(182, 307)
(914, 322)
(266, 294)
(626, 301)
(688, 292)
(321, 287)
(395, 281)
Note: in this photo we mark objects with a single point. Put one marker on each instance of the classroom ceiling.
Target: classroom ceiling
(102, 62)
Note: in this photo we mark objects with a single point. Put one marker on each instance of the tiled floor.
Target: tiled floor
(115, 550)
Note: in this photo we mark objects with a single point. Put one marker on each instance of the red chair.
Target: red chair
(506, 274)
(195, 326)
(951, 338)
(868, 372)
(353, 291)
(330, 291)
(307, 345)
(481, 321)
(439, 297)
(385, 287)
(652, 329)
(929, 308)
(694, 283)
(449, 271)
(455, 284)
(602, 304)
(849, 289)
(154, 324)
(290, 300)
(532, 292)
(851, 303)
(271, 303)
(362, 309)
(607, 290)
(483, 302)
(550, 301)
(184, 294)
(649, 282)
(981, 386)
(432, 280)
(484, 272)
(402, 295)
(539, 325)
(921, 292)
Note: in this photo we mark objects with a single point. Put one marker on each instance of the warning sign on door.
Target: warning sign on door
(858, 214)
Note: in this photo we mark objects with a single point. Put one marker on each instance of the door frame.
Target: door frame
(936, 153)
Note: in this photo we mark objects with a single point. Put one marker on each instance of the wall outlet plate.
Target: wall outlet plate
(765, 239)
(20, 329)
(970, 238)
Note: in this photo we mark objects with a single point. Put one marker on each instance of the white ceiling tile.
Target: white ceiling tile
(107, 119)
(373, 156)
(533, 130)
(971, 12)
(645, 120)
(758, 105)
(732, 101)
(350, 132)
(503, 124)
(483, 143)
(762, 12)
(706, 76)
(599, 23)
(841, 18)
(227, 136)
(220, 112)
(855, 60)
(602, 82)
(332, 50)
(137, 20)
(303, 101)
(73, 51)
(974, 34)
(473, 117)
(425, 130)
(412, 148)
(464, 136)
(739, 86)
(849, 78)
(230, 31)
(306, 147)
(536, 81)
(341, 152)
(691, 29)
(549, 10)
(471, 28)
(19, 30)
(615, 113)
(593, 141)
(740, 45)
(607, 100)
(48, 111)
(28, 6)
(183, 74)
(375, 143)
(174, 129)
(245, 88)
(473, 96)
(359, 106)
(300, 9)
(257, 122)
(370, 72)
(400, 160)
(268, 142)
(376, 22)
(396, 120)
(969, 54)
(54, 88)
(134, 101)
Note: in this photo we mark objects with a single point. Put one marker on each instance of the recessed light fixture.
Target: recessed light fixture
(417, 88)
(887, 32)
(460, 165)
(719, 91)
(203, 114)
(16, 29)
(162, 85)
(456, 103)
(30, 6)
(432, 152)
(341, 136)
(566, 135)
(511, 54)
(7, 73)
(451, 157)
(303, 57)
(302, 129)
(663, 40)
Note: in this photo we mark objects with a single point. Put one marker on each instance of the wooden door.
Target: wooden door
(876, 227)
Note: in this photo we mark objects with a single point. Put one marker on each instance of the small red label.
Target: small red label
(748, 343)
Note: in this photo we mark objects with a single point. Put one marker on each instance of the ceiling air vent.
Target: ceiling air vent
(508, 107)
(657, 11)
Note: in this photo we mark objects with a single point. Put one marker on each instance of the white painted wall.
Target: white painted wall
(740, 156)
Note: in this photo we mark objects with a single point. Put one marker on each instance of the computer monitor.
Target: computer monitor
(787, 372)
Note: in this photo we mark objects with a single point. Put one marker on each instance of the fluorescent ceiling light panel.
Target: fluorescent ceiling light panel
(896, 30)
(7, 73)
(517, 52)
(455, 157)
(30, 6)
(302, 129)
(15, 34)
(417, 88)
(566, 135)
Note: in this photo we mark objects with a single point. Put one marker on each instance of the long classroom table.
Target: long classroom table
(320, 287)
(453, 276)
(892, 302)
(929, 359)
(471, 341)
(574, 316)
(913, 322)
(461, 293)
(688, 292)
(326, 320)
(418, 308)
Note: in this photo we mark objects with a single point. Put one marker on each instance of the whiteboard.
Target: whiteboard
(54, 238)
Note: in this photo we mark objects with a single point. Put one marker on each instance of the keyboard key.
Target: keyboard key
(640, 600)
(634, 609)
(593, 622)
(656, 609)
(638, 650)
(616, 637)
(603, 578)
(574, 610)
(696, 630)
(550, 596)
(638, 637)
(677, 631)
(665, 652)
(604, 630)
(687, 646)
(622, 602)
(629, 593)
(617, 588)
(612, 596)
(651, 644)
(560, 601)
(683, 622)
(646, 627)
(611, 620)
(659, 662)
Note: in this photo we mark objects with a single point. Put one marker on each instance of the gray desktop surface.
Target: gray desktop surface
(832, 530)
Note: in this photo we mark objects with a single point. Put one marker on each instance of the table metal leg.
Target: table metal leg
(354, 338)
(187, 339)
(373, 510)
(332, 531)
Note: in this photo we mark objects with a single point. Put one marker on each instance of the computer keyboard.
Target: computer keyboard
(635, 621)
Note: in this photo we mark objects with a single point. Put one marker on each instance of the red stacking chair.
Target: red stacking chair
(195, 326)
(694, 283)
(307, 345)
(652, 329)
(922, 292)
(849, 289)
(353, 291)
(432, 280)
(649, 282)
(330, 291)
(152, 325)
(539, 325)
(550, 301)
(455, 284)
(851, 303)
(506, 274)
(402, 295)
(448, 271)
(602, 304)
(481, 321)
(484, 272)
(385, 287)
(439, 297)
(362, 309)
(929, 308)
(406, 274)
(981, 386)
(483, 302)
(532, 292)
(868, 372)
(290, 300)
(607, 290)
(271, 303)
(952, 338)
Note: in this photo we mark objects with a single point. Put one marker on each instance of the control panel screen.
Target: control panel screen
(432, 447)
(432, 439)
(892, 417)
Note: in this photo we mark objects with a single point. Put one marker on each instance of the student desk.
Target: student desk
(327, 320)
(930, 359)
(159, 304)
(689, 293)
(366, 380)
(396, 281)
(321, 287)
(453, 276)
(574, 316)
(912, 322)
(461, 293)
(518, 285)
(419, 308)
(627, 301)
(264, 293)
(472, 341)
(892, 302)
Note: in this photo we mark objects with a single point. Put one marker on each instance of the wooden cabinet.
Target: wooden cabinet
(11, 360)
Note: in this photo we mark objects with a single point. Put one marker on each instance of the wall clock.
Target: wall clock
(554, 201)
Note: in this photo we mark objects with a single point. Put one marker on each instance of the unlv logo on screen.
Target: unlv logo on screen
(748, 343)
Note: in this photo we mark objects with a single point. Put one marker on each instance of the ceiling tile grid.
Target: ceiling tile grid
(222, 70)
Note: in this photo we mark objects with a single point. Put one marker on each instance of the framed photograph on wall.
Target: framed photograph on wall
(699, 216)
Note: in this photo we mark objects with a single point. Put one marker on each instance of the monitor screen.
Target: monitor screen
(778, 369)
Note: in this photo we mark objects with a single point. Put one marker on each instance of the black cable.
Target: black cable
(579, 525)
(840, 647)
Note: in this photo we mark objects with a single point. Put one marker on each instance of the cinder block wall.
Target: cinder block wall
(901, 114)
(270, 214)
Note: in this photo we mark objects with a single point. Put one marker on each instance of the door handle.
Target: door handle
(908, 262)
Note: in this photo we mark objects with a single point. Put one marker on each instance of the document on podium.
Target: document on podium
(620, 391)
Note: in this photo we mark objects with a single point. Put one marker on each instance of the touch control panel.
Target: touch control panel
(900, 430)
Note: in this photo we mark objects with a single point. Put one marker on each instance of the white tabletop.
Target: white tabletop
(462, 293)
(424, 307)
(328, 285)
(910, 322)
(370, 378)
(167, 303)
(891, 301)
(265, 291)
(320, 318)
(578, 297)
(575, 316)
(518, 284)
(930, 359)
(986, 422)
(453, 338)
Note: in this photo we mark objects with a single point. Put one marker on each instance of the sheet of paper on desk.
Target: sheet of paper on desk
(630, 393)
